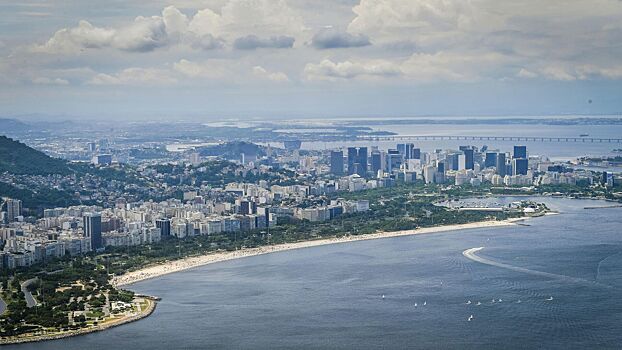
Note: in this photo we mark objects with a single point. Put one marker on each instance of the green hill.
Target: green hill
(17, 158)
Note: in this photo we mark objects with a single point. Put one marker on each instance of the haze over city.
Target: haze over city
(300, 58)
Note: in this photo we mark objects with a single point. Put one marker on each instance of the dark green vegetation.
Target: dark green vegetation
(70, 294)
(50, 198)
(32, 172)
(17, 158)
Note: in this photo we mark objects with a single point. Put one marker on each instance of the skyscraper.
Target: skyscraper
(501, 166)
(376, 162)
(520, 152)
(416, 153)
(357, 161)
(462, 162)
(336, 162)
(453, 163)
(165, 226)
(92, 228)
(490, 160)
(363, 161)
(406, 150)
(520, 166)
(352, 157)
(13, 209)
(441, 167)
(409, 150)
(469, 158)
(394, 160)
(401, 148)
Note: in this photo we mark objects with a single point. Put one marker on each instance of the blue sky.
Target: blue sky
(309, 58)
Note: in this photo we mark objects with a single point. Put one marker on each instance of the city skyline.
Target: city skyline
(214, 59)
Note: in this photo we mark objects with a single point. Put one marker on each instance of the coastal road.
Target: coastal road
(30, 300)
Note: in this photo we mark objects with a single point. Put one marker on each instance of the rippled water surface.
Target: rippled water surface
(330, 297)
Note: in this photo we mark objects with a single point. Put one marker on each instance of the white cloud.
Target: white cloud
(421, 20)
(413, 41)
(145, 34)
(69, 40)
(273, 20)
(176, 22)
(329, 70)
(135, 76)
(262, 73)
(211, 69)
(525, 73)
(263, 18)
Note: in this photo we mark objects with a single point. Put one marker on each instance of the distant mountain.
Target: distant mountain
(13, 126)
(17, 158)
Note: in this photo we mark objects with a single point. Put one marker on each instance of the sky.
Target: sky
(211, 59)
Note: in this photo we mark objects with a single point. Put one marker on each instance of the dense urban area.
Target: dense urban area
(69, 224)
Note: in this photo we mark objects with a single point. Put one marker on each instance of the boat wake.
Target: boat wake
(471, 254)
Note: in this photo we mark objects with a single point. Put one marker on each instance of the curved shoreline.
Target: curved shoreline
(133, 318)
(173, 266)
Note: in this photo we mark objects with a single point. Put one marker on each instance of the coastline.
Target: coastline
(152, 303)
(173, 266)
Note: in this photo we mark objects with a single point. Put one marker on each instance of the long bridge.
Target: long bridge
(487, 138)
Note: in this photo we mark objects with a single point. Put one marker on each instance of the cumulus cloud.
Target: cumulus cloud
(252, 42)
(392, 20)
(414, 41)
(262, 73)
(145, 34)
(85, 35)
(255, 24)
(329, 38)
(552, 41)
(134, 76)
(329, 70)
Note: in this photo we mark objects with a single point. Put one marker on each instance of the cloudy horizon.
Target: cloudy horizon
(304, 58)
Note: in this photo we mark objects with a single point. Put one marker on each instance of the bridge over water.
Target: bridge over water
(488, 138)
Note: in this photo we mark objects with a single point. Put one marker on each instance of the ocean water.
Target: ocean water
(330, 297)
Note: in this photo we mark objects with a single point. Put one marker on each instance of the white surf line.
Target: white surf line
(471, 254)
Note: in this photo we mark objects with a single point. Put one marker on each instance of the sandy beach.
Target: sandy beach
(195, 261)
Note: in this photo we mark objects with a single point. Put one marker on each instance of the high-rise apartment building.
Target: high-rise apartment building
(92, 228)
